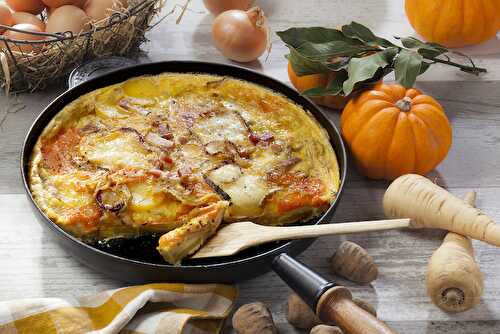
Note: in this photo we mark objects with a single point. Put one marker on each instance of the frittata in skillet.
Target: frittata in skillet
(178, 154)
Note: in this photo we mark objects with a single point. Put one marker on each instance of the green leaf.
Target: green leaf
(428, 50)
(410, 42)
(429, 53)
(365, 68)
(297, 36)
(437, 46)
(362, 33)
(415, 43)
(425, 67)
(303, 66)
(407, 66)
(328, 50)
(362, 56)
(335, 86)
(339, 64)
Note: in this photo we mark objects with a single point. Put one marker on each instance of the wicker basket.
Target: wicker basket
(55, 56)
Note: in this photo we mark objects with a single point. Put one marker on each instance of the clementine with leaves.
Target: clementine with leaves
(306, 82)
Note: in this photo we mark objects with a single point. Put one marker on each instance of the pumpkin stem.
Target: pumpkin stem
(404, 104)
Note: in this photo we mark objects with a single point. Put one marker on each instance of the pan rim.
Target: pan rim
(306, 103)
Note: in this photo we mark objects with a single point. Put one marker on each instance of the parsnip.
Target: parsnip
(454, 280)
(353, 262)
(299, 314)
(254, 318)
(324, 329)
(430, 206)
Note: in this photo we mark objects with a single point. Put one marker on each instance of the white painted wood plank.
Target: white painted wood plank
(32, 265)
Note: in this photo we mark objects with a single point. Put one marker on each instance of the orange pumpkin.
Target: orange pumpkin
(392, 131)
(454, 23)
(305, 82)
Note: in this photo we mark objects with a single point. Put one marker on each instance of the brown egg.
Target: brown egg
(24, 36)
(67, 18)
(98, 10)
(30, 6)
(59, 3)
(23, 17)
(5, 17)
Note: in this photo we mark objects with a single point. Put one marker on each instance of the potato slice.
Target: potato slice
(187, 239)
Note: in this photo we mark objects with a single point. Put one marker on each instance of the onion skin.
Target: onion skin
(218, 6)
(241, 36)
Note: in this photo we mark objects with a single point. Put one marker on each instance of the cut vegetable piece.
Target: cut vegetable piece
(225, 174)
(117, 149)
(187, 239)
(142, 87)
(156, 140)
(222, 126)
(58, 150)
(113, 199)
(247, 194)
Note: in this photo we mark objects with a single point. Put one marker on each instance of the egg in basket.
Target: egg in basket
(43, 40)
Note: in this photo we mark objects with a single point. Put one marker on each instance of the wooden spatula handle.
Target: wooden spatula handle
(336, 306)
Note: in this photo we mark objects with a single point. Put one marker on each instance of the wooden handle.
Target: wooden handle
(313, 231)
(336, 306)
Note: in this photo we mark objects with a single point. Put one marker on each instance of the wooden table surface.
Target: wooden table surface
(31, 265)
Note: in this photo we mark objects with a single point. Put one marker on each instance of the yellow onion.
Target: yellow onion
(241, 35)
(218, 6)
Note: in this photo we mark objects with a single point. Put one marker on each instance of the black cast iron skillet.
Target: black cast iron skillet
(137, 260)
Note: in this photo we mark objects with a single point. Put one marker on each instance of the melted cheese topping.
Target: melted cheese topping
(150, 153)
(224, 126)
(116, 150)
(226, 174)
(247, 194)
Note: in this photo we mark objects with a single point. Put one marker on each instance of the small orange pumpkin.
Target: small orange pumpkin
(305, 82)
(454, 23)
(392, 131)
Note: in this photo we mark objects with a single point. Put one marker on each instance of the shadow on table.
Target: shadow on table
(464, 99)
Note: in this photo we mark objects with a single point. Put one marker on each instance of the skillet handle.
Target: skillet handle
(332, 303)
(97, 67)
(336, 306)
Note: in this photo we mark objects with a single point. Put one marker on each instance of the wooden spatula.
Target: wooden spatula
(236, 237)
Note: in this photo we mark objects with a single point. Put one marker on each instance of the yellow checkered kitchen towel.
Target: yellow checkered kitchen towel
(153, 308)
